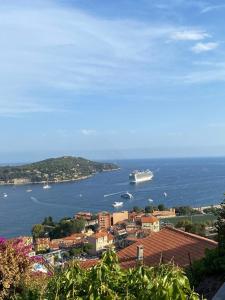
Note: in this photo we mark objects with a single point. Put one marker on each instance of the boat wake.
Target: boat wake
(35, 200)
(112, 194)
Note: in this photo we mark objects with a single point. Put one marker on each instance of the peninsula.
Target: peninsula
(66, 168)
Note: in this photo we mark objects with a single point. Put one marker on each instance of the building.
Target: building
(75, 240)
(150, 222)
(99, 242)
(164, 213)
(119, 216)
(83, 215)
(104, 220)
(169, 244)
(41, 244)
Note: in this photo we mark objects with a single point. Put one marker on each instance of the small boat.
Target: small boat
(46, 186)
(127, 195)
(29, 191)
(165, 194)
(117, 204)
(150, 200)
(5, 195)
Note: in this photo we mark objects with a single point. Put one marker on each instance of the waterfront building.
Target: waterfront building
(83, 215)
(150, 223)
(104, 220)
(119, 216)
(100, 241)
(164, 213)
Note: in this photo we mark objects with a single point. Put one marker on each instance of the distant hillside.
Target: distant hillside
(66, 168)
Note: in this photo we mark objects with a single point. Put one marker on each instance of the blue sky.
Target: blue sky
(111, 79)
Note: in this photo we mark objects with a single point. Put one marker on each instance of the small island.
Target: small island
(66, 168)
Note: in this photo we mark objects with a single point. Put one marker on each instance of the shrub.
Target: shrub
(107, 280)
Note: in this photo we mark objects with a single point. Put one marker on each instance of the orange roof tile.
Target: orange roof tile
(99, 234)
(89, 263)
(169, 244)
(149, 219)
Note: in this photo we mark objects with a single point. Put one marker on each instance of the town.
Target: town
(160, 232)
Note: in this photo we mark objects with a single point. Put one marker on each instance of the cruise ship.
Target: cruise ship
(140, 176)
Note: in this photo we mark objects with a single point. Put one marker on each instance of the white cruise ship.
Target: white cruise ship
(140, 176)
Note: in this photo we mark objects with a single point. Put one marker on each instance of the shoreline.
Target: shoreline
(60, 181)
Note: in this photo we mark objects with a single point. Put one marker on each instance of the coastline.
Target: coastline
(60, 181)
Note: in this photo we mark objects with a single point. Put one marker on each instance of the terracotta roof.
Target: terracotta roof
(168, 244)
(75, 236)
(99, 234)
(149, 219)
(88, 263)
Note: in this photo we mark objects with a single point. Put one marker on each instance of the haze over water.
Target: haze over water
(192, 181)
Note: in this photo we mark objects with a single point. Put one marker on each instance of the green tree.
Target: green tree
(38, 230)
(220, 226)
(149, 209)
(48, 221)
(161, 207)
(137, 209)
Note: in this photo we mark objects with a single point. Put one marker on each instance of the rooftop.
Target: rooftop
(167, 244)
(149, 219)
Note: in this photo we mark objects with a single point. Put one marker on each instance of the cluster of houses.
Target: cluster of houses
(135, 236)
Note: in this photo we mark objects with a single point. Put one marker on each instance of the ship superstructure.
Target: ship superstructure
(140, 176)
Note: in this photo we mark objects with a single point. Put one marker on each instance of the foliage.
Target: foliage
(54, 169)
(107, 280)
(66, 228)
(137, 209)
(15, 266)
(48, 221)
(63, 228)
(214, 260)
(149, 209)
(38, 231)
(186, 210)
(161, 207)
(197, 228)
(213, 263)
(220, 226)
(212, 210)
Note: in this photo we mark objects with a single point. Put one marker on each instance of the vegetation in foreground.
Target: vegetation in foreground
(106, 280)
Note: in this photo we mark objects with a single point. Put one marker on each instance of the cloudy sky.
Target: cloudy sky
(111, 79)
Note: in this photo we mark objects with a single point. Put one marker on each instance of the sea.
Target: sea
(192, 181)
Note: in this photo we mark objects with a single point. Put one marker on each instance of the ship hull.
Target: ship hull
(140, 178)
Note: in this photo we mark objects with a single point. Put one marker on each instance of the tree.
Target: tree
(149, 209)
(220, 226)
(48, 221)
(161, 207)
(137, 209)
(38, 231)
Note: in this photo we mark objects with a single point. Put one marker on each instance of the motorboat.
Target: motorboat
(127, 195)
(117, 204)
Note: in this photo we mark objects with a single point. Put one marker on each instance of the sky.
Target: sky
(111, 79)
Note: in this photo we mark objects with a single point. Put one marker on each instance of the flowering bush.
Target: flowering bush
(15, 266)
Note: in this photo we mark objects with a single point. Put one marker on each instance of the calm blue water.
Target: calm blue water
(195, 182)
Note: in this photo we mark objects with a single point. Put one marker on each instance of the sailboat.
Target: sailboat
(46, 186)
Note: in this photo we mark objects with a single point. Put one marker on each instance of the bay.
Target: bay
(191, 181)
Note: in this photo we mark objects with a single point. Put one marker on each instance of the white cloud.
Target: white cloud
(88, 131)
(204, 47)
(189, 35)
(212, 7)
